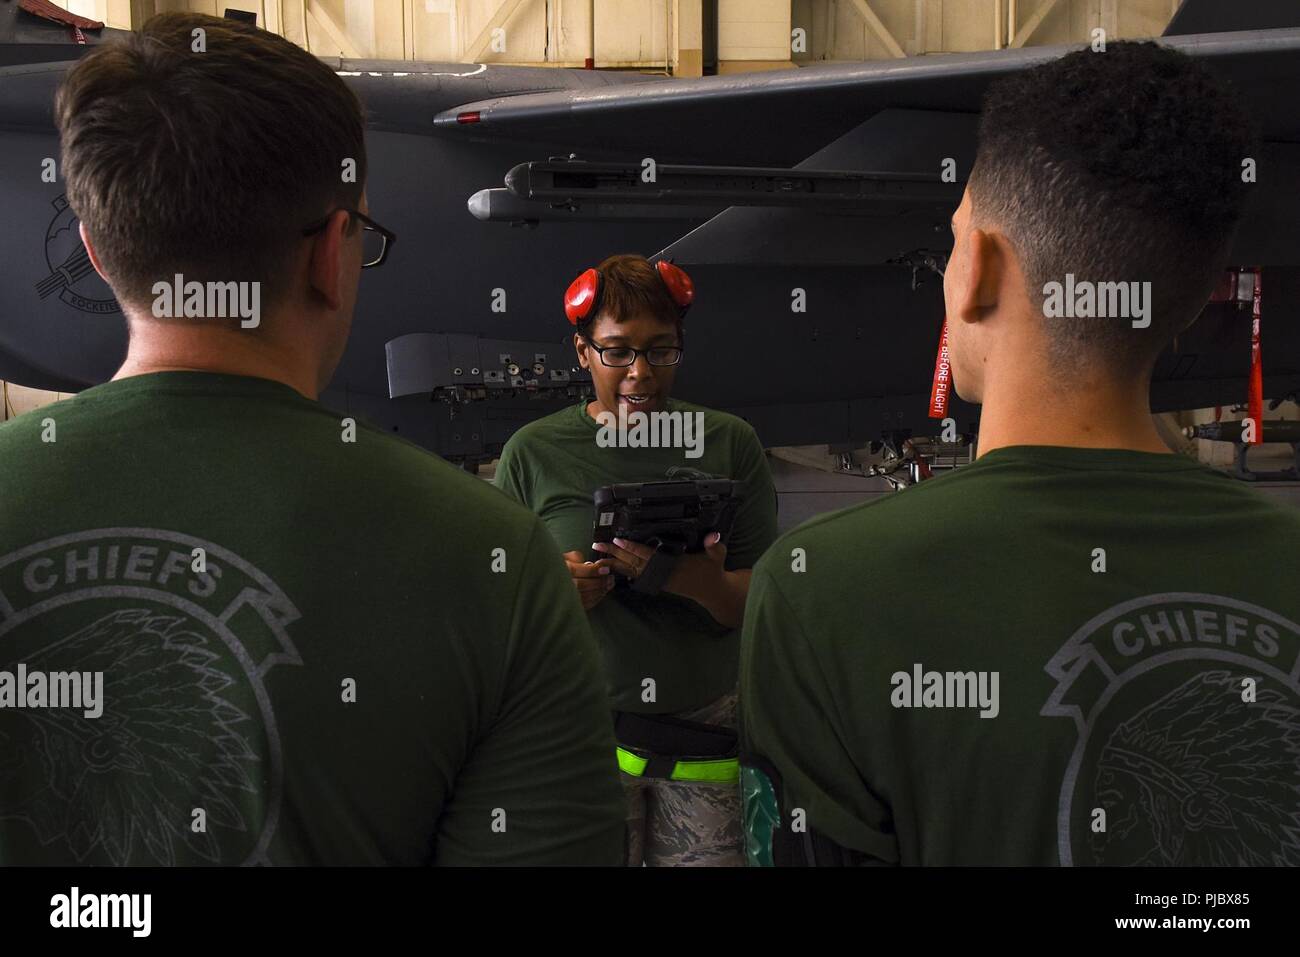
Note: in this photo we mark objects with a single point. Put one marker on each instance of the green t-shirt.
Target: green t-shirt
(371, 658)
(554, 465)
(1147, 713)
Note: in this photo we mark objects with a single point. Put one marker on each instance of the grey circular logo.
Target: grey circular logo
(184, 643)
(1188, 713)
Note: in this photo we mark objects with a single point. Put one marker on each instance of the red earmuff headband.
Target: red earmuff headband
(582, 298)
(680, 286)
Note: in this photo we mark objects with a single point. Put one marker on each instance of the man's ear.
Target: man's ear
(979, 281)
(580, 347)
(90, 250)
(325, 267)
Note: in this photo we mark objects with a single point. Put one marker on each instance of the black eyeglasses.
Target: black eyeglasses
(375, 239)
(620, 357)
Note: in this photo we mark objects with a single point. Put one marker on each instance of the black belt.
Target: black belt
(662, 746)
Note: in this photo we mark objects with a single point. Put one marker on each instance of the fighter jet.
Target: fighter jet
(810, 206)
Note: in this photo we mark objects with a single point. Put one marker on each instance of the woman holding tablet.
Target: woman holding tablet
(670, 651)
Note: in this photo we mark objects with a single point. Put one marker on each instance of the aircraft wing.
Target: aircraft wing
(781, 117)
(885, 119)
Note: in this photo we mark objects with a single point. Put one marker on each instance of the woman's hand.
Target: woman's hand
(592, 579)
(699, 576)
(692, 574)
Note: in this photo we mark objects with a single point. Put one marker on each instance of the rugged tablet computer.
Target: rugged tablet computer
(675, 516)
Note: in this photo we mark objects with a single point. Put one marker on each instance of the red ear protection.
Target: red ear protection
(679, 285)
(582, 298)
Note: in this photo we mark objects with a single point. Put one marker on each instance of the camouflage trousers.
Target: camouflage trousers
(686, 823)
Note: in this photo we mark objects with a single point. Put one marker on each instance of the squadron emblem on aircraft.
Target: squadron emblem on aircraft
(70, 266)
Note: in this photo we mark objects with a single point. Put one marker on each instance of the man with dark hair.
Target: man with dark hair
(241, 628)
(1081, 648)
(1083, 188)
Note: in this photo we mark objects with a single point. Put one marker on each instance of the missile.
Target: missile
(1276, 430)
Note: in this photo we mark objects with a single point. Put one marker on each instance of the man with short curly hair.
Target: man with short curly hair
(977, 670)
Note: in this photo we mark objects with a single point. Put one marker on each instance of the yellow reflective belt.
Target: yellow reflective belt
(631, 763)
(721, 770)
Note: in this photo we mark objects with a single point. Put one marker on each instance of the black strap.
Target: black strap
(663, 734)
(659, 766)
(655, 574)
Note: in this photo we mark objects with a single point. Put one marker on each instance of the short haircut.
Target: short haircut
(632, 288)
(1115, 166)
(205, 164)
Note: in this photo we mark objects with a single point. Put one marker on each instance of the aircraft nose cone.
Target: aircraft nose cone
(480, 205)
